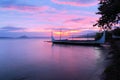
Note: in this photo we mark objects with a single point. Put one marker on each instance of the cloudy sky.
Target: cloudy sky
(40, 17)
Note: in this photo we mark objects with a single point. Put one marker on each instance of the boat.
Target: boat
(80, 42)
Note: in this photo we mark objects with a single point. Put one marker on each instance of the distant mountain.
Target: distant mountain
(31, 37)
(6, 37)
(24, 36)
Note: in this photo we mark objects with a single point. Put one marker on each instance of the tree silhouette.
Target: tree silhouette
(116, 31)
(110, 13)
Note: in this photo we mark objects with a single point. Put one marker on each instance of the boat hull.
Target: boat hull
(90, 43)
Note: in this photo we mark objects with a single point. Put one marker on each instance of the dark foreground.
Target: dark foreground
(112, 71)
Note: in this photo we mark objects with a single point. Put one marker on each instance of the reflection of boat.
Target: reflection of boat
(81, 42)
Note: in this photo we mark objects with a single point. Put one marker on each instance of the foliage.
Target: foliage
(98, 36)
(110, 13)
(116, 31)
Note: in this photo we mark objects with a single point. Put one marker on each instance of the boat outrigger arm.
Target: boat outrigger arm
(81, 42)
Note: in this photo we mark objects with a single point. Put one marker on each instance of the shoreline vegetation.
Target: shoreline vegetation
(112, 70)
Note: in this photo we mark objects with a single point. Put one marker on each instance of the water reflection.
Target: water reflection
(75, 61)
(39, 60)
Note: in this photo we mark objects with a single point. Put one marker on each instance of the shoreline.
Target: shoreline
(112, 70)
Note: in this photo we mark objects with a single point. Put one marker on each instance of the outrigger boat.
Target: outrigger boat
(80, 42)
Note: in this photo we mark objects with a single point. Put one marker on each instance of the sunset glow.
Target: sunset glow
(61, 33)
(43, 16)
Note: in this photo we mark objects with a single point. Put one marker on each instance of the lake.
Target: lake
(35, 59)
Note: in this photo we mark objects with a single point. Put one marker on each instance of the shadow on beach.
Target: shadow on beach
(112, 70)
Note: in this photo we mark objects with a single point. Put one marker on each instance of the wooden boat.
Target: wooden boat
(80, 42)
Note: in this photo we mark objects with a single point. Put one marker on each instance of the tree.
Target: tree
(110, 13)
(116, 31)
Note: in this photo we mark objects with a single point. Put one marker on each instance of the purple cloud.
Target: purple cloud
(28, 8)
(7, 3)
(20, 6)
(75, 20)
(11, 28)
(76, 2)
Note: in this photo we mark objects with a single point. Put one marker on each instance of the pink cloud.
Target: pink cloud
(45, 22)
(64, 19)
(87, 19)
(83, 22)
(76, 2)
(28, 8)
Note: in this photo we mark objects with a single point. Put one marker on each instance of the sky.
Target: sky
(41, 17)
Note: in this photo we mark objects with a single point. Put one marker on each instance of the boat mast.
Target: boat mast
(52, 37)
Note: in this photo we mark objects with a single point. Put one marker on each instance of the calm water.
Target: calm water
(34, 59)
